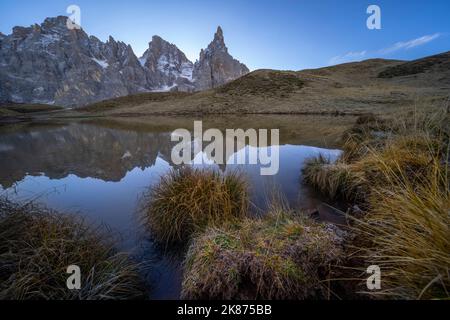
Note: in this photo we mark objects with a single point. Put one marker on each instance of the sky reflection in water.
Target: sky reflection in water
(100, 174)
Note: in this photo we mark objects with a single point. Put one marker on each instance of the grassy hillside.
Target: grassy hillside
(375, 85)
(438, 64)
(19, 108)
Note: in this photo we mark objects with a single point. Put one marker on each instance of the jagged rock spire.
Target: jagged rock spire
(219, 35)
(216, 66)
(218, 43)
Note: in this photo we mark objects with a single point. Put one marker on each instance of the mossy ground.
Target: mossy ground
(280, 256)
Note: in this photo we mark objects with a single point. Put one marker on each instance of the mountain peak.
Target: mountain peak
(159, 43)
(56, 20)
(167, 66)
(157, 38)
(59, 21)
(218, 43)
(219, 34)
(219, 40)
(216, 66)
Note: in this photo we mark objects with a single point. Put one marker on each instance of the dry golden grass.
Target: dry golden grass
(187, 200)
(265, 83)
(407, 232)
(133, 100)
(280, 256)
(406, 225)
(37, 246)
(335, 181)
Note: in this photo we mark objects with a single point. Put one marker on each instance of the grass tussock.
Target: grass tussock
(37, 246)
(405, 229)
(187, 200)
(281, 256)
(407, 232)
(335, 181)
(376, 145)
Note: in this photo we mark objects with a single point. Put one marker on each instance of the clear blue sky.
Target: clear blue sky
(277, 34)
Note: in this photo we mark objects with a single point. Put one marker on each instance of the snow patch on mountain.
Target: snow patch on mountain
(165, 88)
(48, 39)
(102, 63)
(186, 71)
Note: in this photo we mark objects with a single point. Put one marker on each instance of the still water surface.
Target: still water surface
(100, 169)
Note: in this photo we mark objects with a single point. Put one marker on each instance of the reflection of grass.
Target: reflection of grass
(402, 166)
(16, 108)
(7, 113)
(188, 200)
(37, 246)
(281, 256)
(320, 131)
(336, 181)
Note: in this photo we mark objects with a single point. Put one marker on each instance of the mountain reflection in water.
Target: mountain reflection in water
(99, 170)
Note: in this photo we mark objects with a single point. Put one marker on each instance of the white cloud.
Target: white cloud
(359, 55)
(411, 43)
(348, 57)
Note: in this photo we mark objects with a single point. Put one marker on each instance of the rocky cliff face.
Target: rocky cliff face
(51, 64)
(216, 66)
(167, 66)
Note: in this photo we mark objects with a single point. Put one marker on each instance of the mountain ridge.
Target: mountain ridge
(50, 64)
